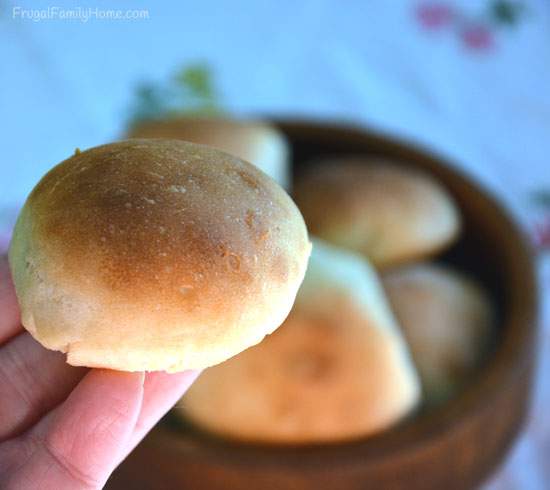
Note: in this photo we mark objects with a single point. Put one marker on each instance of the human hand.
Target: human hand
(63, 427)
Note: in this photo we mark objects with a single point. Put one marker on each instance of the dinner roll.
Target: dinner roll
(447, 320)
(392, 214)
(337, 368)
(156, 255)
(254, 141)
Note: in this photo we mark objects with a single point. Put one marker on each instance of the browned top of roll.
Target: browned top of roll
(156, 208)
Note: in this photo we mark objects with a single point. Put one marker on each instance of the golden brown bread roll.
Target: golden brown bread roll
(337, 368)
(156, 255)
(392, 214)
(254, 141)
(447, 320)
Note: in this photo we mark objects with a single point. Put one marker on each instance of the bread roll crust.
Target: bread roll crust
(256, 142)
(156, 254)
(448, 321)
(338, 367)
(390, 213)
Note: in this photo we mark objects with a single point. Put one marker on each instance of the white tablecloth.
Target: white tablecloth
(456, 76)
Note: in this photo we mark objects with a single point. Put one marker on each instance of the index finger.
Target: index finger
(10, 320)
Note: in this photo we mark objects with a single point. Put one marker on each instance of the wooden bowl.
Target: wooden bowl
(456, 445)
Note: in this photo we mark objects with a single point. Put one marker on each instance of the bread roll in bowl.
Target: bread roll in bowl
(338, 367)
(390, 213)
(448, 322)
(256, 142)
(156, 255)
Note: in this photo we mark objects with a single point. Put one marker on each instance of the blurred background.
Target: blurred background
(468, 79)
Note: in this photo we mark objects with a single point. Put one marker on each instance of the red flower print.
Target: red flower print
(434, 15)
(477, 37)
(541, 233)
